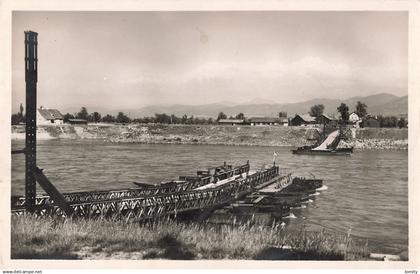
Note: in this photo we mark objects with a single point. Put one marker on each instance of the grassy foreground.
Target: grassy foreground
(52, 238)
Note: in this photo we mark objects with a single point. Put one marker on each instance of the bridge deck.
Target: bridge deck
(153, 206)
(168, 188)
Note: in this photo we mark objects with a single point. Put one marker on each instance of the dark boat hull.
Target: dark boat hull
(338, 151)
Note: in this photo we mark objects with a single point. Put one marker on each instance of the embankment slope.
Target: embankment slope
(364, 138)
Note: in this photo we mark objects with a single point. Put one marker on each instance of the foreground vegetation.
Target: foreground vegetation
(53, 238)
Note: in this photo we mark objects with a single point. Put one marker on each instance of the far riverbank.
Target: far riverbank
(361, 138)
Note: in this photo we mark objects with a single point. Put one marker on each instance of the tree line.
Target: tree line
(159, 118)
(121, 117)
(96, 117)
(343, 109)
(163, 118)
(19, 117)
(361, 111)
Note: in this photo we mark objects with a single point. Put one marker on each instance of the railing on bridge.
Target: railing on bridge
(147, 207)
(172, 187)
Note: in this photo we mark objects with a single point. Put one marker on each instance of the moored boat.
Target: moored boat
(327, 146)
(337, 151)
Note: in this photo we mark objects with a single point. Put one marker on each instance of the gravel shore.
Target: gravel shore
(365, 138)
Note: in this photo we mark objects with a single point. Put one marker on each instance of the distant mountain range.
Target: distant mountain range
(383, 103)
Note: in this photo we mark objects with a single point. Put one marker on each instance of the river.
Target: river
(366, 192)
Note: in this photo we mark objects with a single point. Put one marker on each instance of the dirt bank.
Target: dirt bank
(367, 138)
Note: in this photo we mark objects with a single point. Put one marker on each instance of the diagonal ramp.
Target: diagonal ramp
(330, 142)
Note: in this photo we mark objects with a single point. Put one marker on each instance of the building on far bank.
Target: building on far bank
(283, 118)
(327, 120)
(353, 117)
(49, 116)
(231, 122)
(77, 122)
(302, 120)
(264, 121)
(284, 121)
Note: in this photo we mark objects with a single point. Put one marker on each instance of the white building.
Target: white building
(47, 116)
(264, 121)
(355, 119)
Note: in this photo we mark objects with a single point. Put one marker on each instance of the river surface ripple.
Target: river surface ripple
(366, 192)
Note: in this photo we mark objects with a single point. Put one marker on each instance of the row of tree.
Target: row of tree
(19, 117)
(121, 117)
(361, 111)
(222, 116)
(315, 111)
(343, 109)
(391, 121)
(163, 118)
(96, 117)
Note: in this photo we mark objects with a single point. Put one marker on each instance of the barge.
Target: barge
(270, 203)
(309, 151)
(328, 145)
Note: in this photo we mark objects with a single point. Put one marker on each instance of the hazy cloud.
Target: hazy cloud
(130, 59)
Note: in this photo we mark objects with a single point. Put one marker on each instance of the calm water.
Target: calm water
(366, 192)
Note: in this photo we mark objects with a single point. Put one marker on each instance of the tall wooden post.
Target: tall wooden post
(31, 71)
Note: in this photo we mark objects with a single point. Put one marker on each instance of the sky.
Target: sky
(126, 60)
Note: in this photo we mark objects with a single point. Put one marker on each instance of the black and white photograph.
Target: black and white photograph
(208, 135)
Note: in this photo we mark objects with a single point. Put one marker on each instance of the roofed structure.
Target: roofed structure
(304, 119)
(326, 119)
(260, 121)
(49, 116)
(231, 121)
